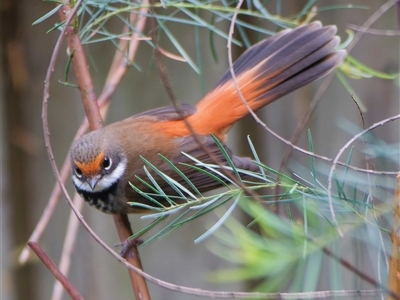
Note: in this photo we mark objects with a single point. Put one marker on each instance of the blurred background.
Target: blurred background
(27, 179)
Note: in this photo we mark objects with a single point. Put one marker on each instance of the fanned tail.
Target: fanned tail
(265, 72)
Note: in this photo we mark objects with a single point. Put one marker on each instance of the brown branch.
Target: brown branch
(362, 275)
(375, 16)
(322, 89)
(47, 213)
(95, 122)
(130, 267)
(299, 130)
(361, 30)
(382, 32)
(300, 127)
(164, 284)
(394, 267)
(168, 87)
(68, 246)
(213, 294)
(82, 73)
(52, 203)
(117, 70)
(123, 58)
(316, 99)
(121, 62)
(69, 288)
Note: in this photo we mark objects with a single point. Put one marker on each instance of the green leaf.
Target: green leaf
(145, 195)
(182, 175)
(226, 156)
(179, 47)
(365, 71)
(68, 66)
(48, 15)
(311, 147)
(220, 221)
(211, 168)
(212, 41)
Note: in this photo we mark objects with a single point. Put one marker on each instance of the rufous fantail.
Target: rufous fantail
(105, 161)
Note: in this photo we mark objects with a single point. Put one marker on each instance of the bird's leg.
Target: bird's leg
(126, 246)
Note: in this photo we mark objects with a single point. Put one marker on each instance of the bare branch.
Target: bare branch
(375, 16)
(95, 122)
(68, 246)
(69, 288)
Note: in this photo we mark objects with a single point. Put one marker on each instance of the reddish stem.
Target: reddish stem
(48, 262)
(95, 122)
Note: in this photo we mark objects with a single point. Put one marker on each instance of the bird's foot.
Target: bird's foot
(127, 245)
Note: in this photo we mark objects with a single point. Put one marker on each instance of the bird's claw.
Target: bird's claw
(127, 245)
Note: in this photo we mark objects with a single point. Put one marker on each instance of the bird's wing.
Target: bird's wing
(204, 151)
(168, 113)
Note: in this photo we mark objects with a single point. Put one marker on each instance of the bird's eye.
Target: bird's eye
(106, 163)
(78, 172)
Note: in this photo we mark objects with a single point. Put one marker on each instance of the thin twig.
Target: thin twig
(82, 73)
(371, 20)
(361, 114)
(95, 122)
(121, 63)
(341, 151)
(394, 265)
(375, 16)
(398, 14)
(91, 107)
(69, 288)
(345, 263)
(313, 104)
(70, 234)
(167, 285)
(117, 70)
(368, 165)
(362, 275)
(47, 213)
(300, 127)
(68, 246)
(374, 31)
(394, 269)
(213, 294)
(168, 87)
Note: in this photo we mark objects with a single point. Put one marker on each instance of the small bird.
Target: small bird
(105, 162)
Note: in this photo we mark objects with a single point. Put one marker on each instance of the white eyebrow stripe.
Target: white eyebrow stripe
(105, 182)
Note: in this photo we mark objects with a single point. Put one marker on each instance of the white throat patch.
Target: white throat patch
(105, 182)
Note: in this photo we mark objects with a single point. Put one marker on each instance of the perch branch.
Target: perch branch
(117, 70)
(55, 271)
(95, 122)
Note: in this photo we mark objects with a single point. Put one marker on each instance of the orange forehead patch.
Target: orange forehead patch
(91, 168)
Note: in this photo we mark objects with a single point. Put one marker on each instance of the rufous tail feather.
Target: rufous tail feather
(265, 72)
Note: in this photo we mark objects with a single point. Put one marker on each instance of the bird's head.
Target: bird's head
(97, 163)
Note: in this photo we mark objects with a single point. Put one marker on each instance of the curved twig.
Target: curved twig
(95, 121)
(71, 290)
(366, 25)
(341, 151)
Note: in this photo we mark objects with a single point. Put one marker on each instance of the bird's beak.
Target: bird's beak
(93, 181)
